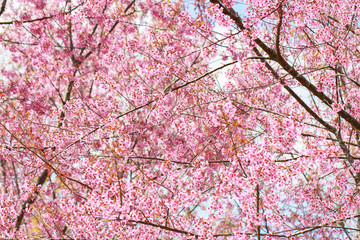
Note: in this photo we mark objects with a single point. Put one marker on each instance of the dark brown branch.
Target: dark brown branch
(287, 67)
(31, 199)
(92, 32)
(278, 30)
(331, 139)
(16, 179)
(310, 229)
(157, 159)
(4, 170)
(310, 111)
(99, 44)
(300, 232)
(294, 95)
(266, 58)
(39, 19)
(42, 178)
(168, 89)
(258, 209)
(164, 227)
(2, 9)
(129, 6)
(345, 150)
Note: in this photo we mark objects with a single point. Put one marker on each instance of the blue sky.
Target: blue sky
(239, 7)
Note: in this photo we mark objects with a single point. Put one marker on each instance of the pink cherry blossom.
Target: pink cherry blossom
(179, 120)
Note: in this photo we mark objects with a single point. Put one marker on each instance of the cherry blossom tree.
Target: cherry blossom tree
(163, 119)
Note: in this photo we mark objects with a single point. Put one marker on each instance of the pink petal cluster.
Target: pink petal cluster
(149, 119)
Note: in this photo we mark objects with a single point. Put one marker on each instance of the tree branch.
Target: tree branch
(287, 67)
(2, 9)
(294, 95)
(38, 19)
(31, 199)
(164, 227)
(258, 209)
(278, 30)
(169, 89)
